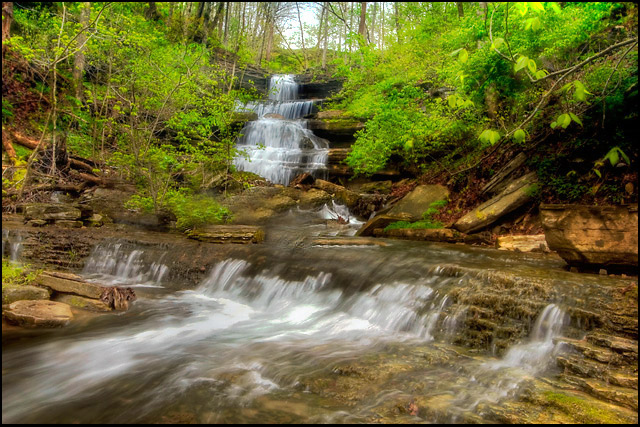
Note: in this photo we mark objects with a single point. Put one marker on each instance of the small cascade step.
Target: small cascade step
(586, 368)
(594, 352)
(600, 389)
(626, 347)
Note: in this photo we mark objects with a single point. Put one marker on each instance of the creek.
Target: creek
(293, 331)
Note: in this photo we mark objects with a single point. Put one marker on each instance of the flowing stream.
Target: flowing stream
(275, 344)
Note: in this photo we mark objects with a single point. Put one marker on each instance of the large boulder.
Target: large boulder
(15, 293)
(515, 195)
(70, 284)
(592, 236)
(51, 212)
(40, 313)
(414, 204)
(341, 194)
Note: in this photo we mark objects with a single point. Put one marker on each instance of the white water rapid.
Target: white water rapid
(278, 145)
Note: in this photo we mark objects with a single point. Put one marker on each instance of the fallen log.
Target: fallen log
(74, 162)
(85, 177)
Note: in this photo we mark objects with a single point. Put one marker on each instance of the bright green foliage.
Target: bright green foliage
(14, 274)
(438, 50)
(194, 211)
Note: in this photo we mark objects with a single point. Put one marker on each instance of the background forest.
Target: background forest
(450, 92)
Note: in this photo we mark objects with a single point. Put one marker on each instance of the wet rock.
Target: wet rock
(228, 234)
(515, 195)
(427, 235)
(349, 241)
(340, 193)
(536, 243)
(46, 314)
(379, 222)
(12, 294)
(69, 283)
(95, 220)
(593, 236)
(68, 224)
(275, 116)
(82, 302)
(414, 204)
(314, 198)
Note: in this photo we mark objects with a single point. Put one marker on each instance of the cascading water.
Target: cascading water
(244, 339)
(119, 264)
(278, 145)
(11, 244)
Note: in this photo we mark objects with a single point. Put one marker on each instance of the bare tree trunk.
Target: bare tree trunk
(373, 23)
(320, 26)
(7, 19)
(397, 19)
(304, 51)
(79, 59)
(363, 18)
(382, 27)
(460, 9)
(324, 50)
(226, 25)
(152, 12)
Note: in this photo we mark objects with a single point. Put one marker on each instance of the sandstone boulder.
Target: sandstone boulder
(70, 284)
(536, 243)
(314, 198)
(592, 236)
(40, 313)
(515, 195)
(414, 204)
(228, 234)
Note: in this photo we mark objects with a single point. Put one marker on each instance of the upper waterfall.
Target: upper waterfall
(281, 147)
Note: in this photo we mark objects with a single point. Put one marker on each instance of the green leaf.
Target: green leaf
(564, 120)
(455, 52)
(598, 173)
(556, 7)
(494, 137)
(554, 124)
(521, 63)
(522, 7)
(497, 42)
(575, 118)
(519, 136)
(452, 100)
(537, 6)
(531, 64)
(613, 156)
(463, 56)
(541, 73)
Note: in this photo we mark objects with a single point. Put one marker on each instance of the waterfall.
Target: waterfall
(118, 263)
(278, 146)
